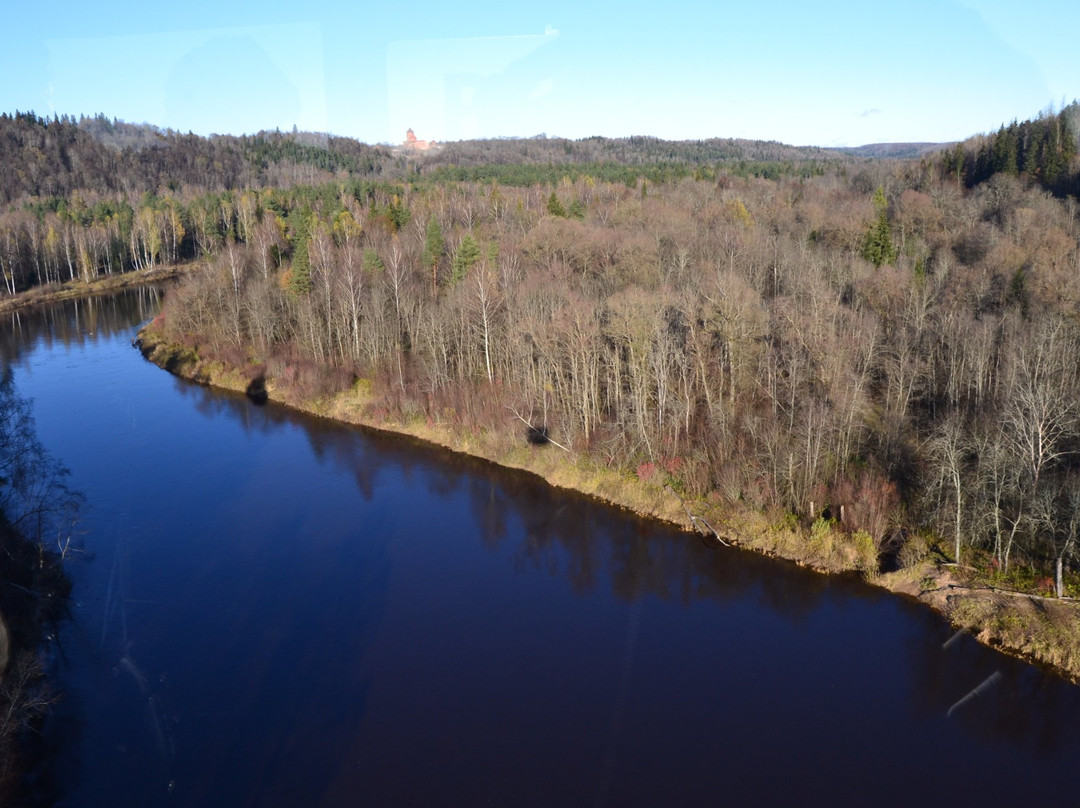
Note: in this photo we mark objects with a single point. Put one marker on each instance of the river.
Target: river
(274, 610)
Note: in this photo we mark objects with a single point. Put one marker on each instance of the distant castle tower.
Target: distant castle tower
(413, 144)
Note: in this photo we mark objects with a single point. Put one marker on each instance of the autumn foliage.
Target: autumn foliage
(869, 339)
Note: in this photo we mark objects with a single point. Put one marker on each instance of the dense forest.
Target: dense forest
(888, 341)
(53, 158)
(1042, 150)
(91, 196)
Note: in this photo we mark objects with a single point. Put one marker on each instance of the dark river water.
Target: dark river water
(273, 610)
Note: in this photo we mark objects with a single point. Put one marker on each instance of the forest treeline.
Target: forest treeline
(625, 160)
(1043, 150)
(55, 157)
(92, 196)
(897, 338)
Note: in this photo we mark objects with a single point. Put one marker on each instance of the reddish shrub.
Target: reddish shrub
(646, 470)
(672, 464)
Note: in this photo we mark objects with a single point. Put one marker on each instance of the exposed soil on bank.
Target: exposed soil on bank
(1044, 631)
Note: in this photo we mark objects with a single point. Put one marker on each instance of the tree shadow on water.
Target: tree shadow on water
(38, 514)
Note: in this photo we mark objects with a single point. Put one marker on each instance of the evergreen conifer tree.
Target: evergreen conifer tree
(300, 276)
(554, 206)
(468, 253)
(878, 248)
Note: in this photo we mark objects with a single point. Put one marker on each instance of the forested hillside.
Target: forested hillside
(855, 339)
(896, 338)
(55, 158)
(82, 198)
(1043, 150)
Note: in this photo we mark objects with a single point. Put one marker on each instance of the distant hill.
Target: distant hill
(637, 150)
(894, 151)
(55, 157)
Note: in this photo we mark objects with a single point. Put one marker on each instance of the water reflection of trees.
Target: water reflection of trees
(78, 322)
(565, 533)
(37, 517)
(592, 546)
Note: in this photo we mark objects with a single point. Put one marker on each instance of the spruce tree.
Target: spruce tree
(300, 236)
(300, 276)
(468, 253)
(878, 248)
(555, 207)
(373, 265)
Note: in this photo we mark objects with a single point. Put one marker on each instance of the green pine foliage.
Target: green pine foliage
(300, 276)
(434, 247)
(1043, 150)
(555, 206)
(523, 175)
(468, 253)
(300, 221)
(373, 265)
(878, 247)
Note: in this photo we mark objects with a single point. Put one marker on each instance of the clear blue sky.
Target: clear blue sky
(832, 72)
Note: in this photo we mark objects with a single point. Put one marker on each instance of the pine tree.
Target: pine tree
(555, 207)
(373, 265)
(878, 248)
(468, 253)
(300, 276)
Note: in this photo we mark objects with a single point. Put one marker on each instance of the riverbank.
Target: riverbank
(54, 293)
(1041, 630)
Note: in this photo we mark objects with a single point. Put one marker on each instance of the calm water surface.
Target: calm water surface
(274, 610)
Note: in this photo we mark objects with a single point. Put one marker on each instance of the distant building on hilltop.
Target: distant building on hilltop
(413, 144)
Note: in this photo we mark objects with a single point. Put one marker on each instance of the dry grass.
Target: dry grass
(187, 363)
(1043, 630)
(823, 546)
